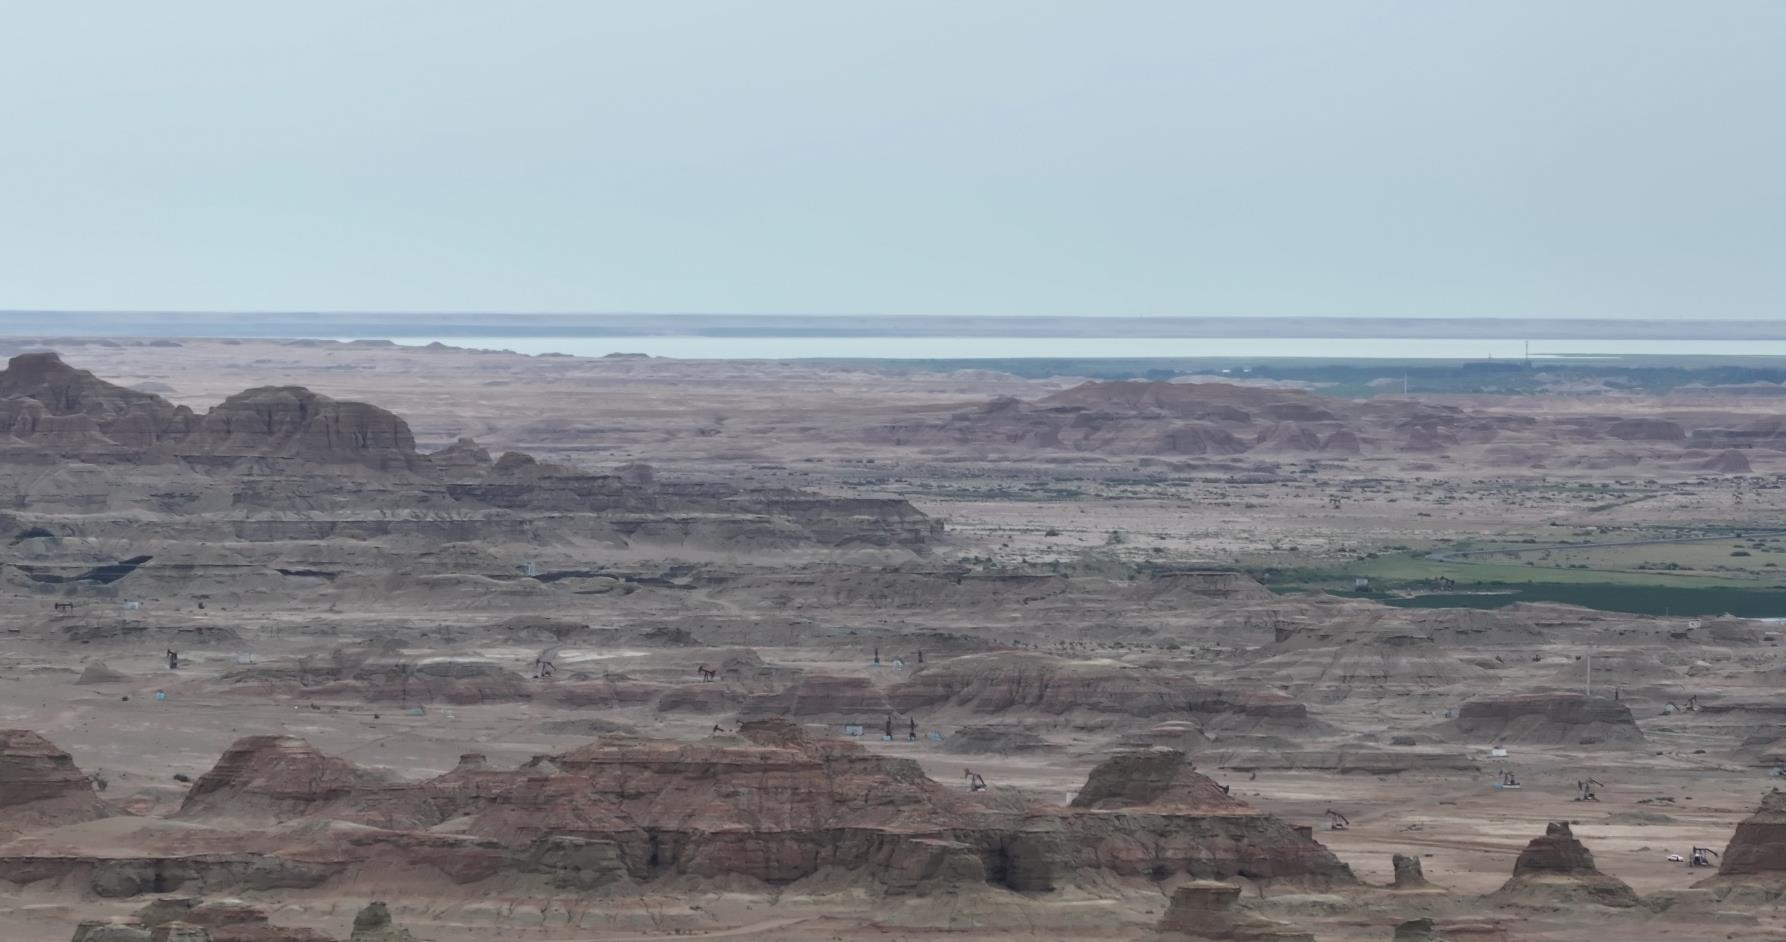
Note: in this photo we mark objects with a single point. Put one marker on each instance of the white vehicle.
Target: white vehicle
(1676, 858)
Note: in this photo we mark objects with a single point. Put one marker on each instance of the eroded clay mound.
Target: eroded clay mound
(356, 675)
(274, 778)
(1565, 719)
(1000, 739)
(770, 805)
(1332, 674)
(1557, 868)
(1047, 686)
(1758, 849)
(824, 696)
(1150, 778)
(1010, 681)
(40, 786)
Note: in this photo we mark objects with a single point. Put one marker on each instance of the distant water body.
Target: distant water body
(992, 348)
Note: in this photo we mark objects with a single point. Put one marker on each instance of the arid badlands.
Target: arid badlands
(329, 641)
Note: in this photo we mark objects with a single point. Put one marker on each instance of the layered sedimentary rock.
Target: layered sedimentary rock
(1209, 910)
(1558, 868)
(1212, 421)
(54, 411)
(1004, 682)
(1151, 777)
(1548, 719)
(1391, 666)
(274, 778)
(49, 410)
(994, 739)
(284, 452)
(1045, 686)
(291, 422)
(40, 786)
(770, 806)
(1350, 761)
(822, 696)
(1758, 848)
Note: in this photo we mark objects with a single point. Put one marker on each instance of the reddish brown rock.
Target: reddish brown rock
(771, 805)
(1152, 777)
(274, 778)
(1558, 868)
(40, 786)
(1758, 848)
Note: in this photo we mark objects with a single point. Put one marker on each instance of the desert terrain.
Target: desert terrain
(557, 648)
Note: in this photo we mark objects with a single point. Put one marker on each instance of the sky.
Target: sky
(1519, 158)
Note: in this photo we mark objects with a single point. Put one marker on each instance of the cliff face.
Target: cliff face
(1759, 846)
(49, 409)
(53, 411)
(291, 422)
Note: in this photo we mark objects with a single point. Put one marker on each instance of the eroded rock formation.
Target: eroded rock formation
(1558, 868)
(1409, 875)
(770, 805)
(1042, 685)
(40, 786)
(1209, 910)
(1548, 719)
(1758, 848)
(373, 924)
(285, 451)
(1151, 777)
(274, 778)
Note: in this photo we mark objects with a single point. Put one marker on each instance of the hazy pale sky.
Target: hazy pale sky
(1424, 157)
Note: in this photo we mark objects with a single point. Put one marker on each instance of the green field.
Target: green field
(1643, 600)
(1720, 574)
